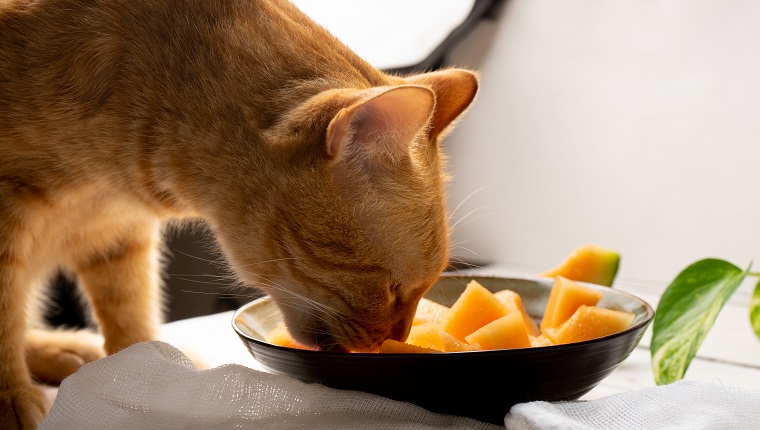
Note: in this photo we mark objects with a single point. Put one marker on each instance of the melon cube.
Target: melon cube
(391, 346)
(514, 303)
(540, 340)
(429, 311)
(589, 322)
(565, 298)
(429, 335)
(452, 344)
(474, 308)
(506, 332)
(588, 263)
(426, 335)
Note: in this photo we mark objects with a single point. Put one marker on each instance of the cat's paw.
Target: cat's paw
(55, 354)
(22, 407)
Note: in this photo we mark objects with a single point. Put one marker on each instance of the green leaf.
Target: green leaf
(754, 310)
(686, 312)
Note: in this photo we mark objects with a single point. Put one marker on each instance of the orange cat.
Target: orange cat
(321, 176)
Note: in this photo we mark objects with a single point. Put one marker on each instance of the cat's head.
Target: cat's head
(355, 228)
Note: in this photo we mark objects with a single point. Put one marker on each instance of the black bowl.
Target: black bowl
(478, 384)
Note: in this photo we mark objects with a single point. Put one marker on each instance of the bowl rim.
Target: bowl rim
(649, 313)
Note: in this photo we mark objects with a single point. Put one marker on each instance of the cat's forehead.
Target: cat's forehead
(412, 238)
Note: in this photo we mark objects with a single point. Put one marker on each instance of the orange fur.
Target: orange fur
(321, 176)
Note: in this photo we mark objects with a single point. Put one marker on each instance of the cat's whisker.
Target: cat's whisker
(460, 242)
(218, 262)
(468, 217)
(268, 261)
(198, 281)
(236, 296)
(310, 311)
(468, 264)
(222, 295)
(205, 275)
(454, 211)
(327, 309)
(460, 245)
(302, 308)
(312, 305)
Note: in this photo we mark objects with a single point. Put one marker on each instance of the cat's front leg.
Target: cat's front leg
(22, 404)
(122, 283)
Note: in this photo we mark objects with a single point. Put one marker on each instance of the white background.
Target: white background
(634, 125)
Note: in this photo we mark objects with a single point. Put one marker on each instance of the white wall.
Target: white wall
(634, 125)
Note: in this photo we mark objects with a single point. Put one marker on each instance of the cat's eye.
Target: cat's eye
(402, 293)
(395, 288)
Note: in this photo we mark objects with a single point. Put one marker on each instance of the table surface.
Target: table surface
(730, 355)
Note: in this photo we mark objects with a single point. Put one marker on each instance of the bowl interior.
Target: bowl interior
(482, 384)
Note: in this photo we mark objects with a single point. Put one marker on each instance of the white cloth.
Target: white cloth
(685, 405)
(153, 385)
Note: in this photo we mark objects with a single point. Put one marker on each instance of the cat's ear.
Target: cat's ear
(454, 90)
(382, 123)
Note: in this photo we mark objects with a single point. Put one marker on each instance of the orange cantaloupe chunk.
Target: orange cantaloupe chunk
(565, 298)
(514, 303)
(429, 311)
(452, 344)
(540, 340)
(589, 322)
(507, 332)
(473, 309)
(279, 335)
(429, 335)
(426, 335)
(588, 263)
(391, 346)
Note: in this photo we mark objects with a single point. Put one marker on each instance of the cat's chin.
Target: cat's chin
(343, 349)
(328, 342)
(334, 348)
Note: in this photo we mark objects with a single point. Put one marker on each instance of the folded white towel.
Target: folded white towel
(686, 405)
(153, 385)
